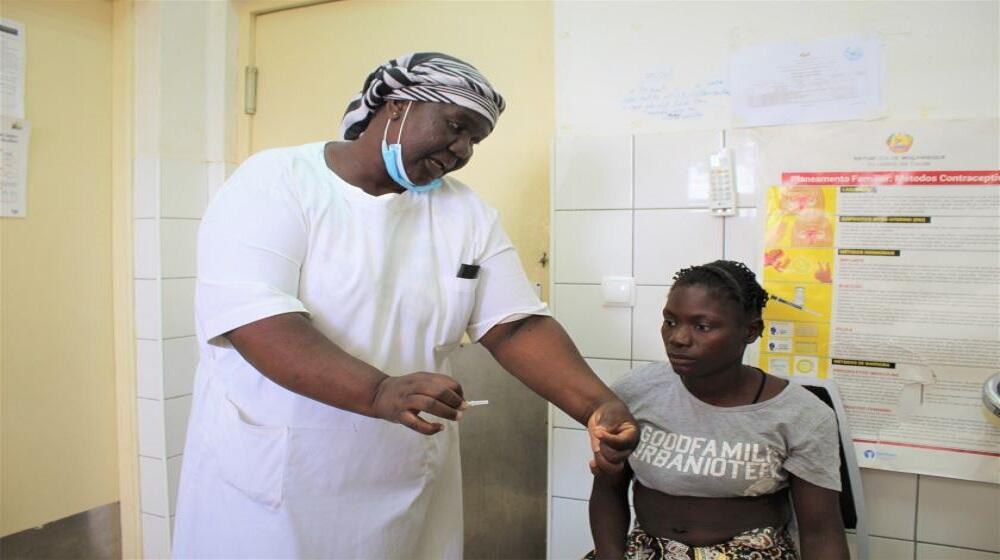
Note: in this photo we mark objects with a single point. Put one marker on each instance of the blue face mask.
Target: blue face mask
(392, 156)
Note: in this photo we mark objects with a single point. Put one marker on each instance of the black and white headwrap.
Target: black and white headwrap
(432, 77)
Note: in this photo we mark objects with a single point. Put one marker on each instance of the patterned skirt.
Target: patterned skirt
(764, 543)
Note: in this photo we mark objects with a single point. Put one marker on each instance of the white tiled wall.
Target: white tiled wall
(592, 244)
(597, 233)
(672, 169)
(580, 185)
(598, 331)
(569, 528)
(669, 240)
(958, 513)
(155, 536)
(179, 160)
(647, 316)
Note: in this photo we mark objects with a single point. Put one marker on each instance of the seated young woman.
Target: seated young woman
(722, 444)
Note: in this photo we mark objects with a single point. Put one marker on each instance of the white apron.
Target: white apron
(370, 490)
(271, 474)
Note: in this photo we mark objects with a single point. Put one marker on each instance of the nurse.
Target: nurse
(334, 279)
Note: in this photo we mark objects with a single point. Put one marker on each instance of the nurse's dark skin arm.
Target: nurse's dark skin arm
(288, 350)
(537, 351)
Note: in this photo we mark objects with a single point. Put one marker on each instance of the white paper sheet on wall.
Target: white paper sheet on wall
(14, 168)
(831, 79)
(890, 230)
(12, 57)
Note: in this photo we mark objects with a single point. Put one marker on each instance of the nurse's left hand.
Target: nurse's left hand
(614, 433)
(401, 400)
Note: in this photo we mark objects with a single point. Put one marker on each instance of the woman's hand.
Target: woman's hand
(401, 400)
(614, 433)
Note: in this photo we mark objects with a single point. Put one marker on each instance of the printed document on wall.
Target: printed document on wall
(831, 79)
(883, 251)
(14, 168)
(12, 63)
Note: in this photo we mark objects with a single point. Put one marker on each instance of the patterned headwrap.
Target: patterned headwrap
(433, 77)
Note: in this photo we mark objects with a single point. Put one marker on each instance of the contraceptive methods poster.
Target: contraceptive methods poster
(887, 281)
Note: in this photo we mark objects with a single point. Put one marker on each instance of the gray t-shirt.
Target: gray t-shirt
(688, 447)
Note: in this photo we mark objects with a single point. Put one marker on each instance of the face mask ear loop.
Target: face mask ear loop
(385, 133)
(402, 124)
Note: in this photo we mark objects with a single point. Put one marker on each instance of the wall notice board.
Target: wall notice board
(882, 241)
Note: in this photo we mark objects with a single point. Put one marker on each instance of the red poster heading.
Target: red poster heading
(852, 178)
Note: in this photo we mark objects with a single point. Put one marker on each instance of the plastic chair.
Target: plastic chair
(852, 498)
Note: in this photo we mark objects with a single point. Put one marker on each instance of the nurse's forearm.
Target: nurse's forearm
(538, 351)
(288, 350)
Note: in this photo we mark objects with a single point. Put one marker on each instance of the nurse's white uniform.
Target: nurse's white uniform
(271, 474)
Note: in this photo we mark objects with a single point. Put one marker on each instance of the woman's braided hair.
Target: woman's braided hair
(731, 278)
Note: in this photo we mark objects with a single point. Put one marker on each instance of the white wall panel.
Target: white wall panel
(959, 513)
(591, 245)
(178, 238)
(152, 437)
(882, 549)
(176, 413)
(184, 188)
(669, 240)
(148, 369)
(178, 307)
(593, 172)
(145, 187)
(571, 456)
(647, 343)
(938, 552)
(155, 537)
(147, 309)
(145, 248)
(598, 331)
(570, 524)
(891, 502)
(180, 360)
(742, 238)
(153, 486)
(672, 168)
(182, 121)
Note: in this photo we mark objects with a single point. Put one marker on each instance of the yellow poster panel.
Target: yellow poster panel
(799, 266)
(805, 302)
(800, 217)
(798, 275)
(795, 348)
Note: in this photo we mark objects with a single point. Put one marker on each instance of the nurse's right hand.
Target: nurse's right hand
(401, 400)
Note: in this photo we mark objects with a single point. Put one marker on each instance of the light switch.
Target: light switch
(618, 291)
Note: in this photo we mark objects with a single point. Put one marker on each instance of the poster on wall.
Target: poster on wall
(883, 256)
(12, 57)
(14, 136)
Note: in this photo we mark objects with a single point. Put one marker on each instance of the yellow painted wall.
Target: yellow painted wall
(313, 59)
(57, 382)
